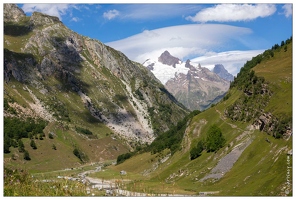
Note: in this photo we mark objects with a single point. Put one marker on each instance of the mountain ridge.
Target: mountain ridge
(222, 72)
(195, 87)
(54, 74)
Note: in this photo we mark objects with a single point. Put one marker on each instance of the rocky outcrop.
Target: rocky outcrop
(12, 13)
(40, 19)
(167, 59)
(270, 124)
(150, 67)
(265, 122)
(191, 67)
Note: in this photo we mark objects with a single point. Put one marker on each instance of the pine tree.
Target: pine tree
(196, 151)
(33, 144)
(27, 155)
(21, 146)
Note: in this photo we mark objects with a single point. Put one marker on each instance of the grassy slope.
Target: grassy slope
(262, 168)
(278, 73)
(100, 83)
(44, 158)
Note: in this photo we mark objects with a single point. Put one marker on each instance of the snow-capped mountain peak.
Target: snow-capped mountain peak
(194, 86)
(166, 67)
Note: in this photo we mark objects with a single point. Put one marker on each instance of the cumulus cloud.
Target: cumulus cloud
(111, 14)
(183, 41)
(287, 10)
(51, 9)
(233, 12)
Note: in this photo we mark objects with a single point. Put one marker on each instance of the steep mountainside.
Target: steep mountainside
(85, 91)
(250, 132)
(195, 87)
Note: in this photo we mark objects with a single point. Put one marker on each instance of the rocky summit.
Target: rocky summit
(167, 59)
(222, 72)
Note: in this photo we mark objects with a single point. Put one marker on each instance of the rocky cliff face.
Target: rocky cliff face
(167, 59)
(222, 72)
(12, 13)
(50, 59)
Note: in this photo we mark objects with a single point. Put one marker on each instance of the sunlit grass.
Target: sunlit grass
(21, 183)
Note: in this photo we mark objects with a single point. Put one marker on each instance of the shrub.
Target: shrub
(21, 146)
(83, 131)
(79, 154)
(27, 155)
(196, 151)
(121, 158)
(50, 135)
(33, 144)
(215, 139)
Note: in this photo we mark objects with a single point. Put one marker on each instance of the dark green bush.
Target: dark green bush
(196, 151)
(83, 131)
(214, 140)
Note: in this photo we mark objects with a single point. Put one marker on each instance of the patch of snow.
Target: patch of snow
(165, 72)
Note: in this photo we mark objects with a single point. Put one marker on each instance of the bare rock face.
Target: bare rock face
(39, 19)
(191, 67)
(222, 72)
(115, 91)
(167, 59)
(12, 13)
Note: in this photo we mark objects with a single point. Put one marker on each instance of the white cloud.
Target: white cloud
(231, 60)
(111, 14)
(156, 11)
(287, 10)
(182, 41)
(75, 19)
(233, 12)
(208, 44)
(51, 9)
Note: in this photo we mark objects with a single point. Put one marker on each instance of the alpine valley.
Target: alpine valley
(81, 119)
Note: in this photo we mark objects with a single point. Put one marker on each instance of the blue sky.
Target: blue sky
(200, 32)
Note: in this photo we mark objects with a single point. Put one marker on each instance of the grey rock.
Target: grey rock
(12, 13)
(167, 59)
(222, 72)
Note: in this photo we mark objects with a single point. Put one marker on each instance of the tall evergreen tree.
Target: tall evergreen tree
(33, 144)
(21, 146)
(27, 155)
